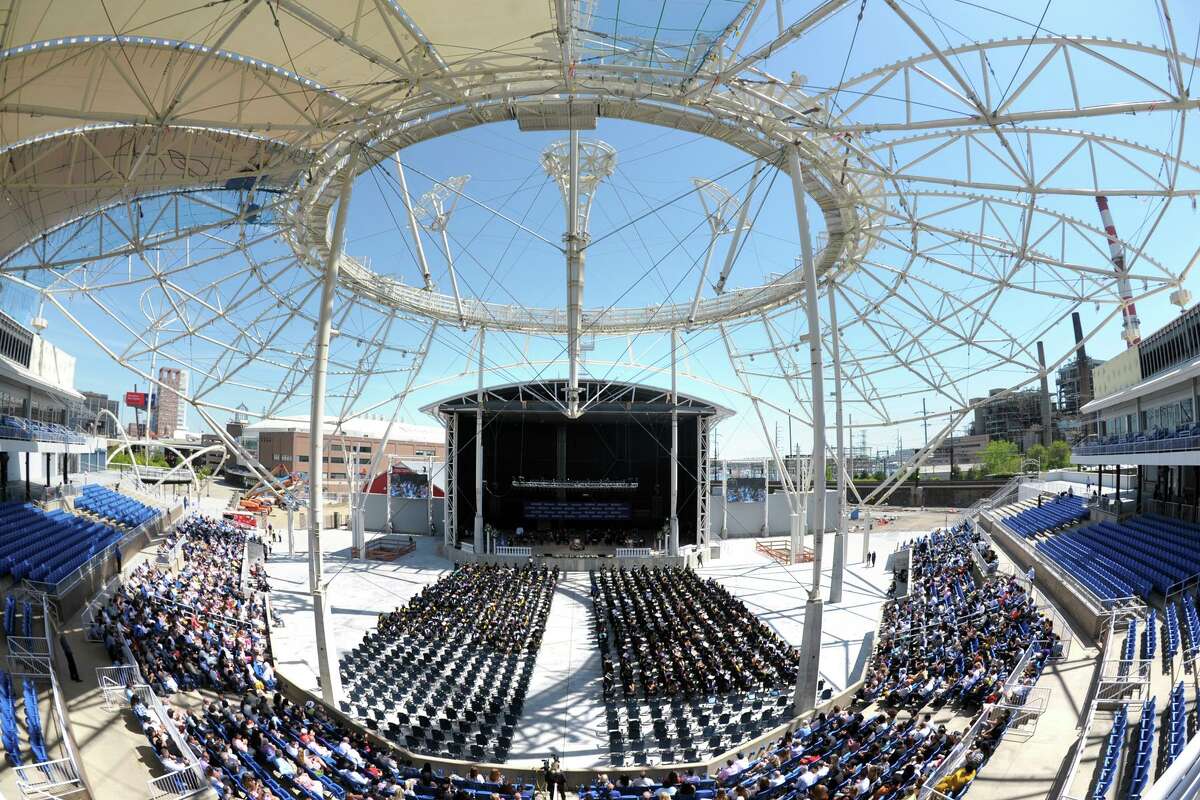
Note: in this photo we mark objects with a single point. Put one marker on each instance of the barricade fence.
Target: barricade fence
(508, 550)
(178, 784)
(49, 779)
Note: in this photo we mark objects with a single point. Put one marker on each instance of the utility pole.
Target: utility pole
(925, 420)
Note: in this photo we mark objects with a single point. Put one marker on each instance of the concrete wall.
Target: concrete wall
(52, 364)
(1128, 481)
(936, 494)
(746, 519)
(1122, 370)
(408, 516)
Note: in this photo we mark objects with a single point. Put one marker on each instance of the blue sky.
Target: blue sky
(657, 257)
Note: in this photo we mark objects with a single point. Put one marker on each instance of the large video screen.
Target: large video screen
(747, 490)
(403, 482)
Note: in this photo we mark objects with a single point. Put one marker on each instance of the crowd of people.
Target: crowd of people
(664, 632)
(951, 638)
(479, 605)
(195, 626)
(948, 639)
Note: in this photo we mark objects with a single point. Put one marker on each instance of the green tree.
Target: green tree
(1058, 455)
(1039, 454)
(1000, 457)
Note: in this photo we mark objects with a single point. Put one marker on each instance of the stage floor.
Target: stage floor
(564, 708)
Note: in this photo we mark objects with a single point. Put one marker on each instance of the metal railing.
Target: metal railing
(633, 552)
(49, 779)
(181, 783)
(29, 655)
(1163, 444)
(113, 680)
(508, 550)
(955, 757)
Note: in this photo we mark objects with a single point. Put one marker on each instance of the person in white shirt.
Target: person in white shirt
(809, 776)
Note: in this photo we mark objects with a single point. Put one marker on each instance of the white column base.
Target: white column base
(839, 567)
(327, 665)
(809, 668)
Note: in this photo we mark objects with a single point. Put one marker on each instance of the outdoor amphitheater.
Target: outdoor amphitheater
(599, 400)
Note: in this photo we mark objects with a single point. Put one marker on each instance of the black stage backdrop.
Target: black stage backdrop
(608, 446)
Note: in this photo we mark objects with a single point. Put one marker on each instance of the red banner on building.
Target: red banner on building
(135, 399)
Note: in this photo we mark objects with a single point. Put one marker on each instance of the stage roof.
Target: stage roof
(598, 398)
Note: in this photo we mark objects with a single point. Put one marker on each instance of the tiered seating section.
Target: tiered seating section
(114, 506)
(670, 698)
(1175, 732)
(48, 546)
(195, 627)
(31, 430)
(1142, 555)
(1157, 440)
(1112, 755)
(10, 733)
(1150, 636)
(253, 742)
(1055, 513)
(33, 722)
(936, 647)
(447, 674)
(1141, 759)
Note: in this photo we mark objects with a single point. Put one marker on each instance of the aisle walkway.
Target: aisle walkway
(564, 707)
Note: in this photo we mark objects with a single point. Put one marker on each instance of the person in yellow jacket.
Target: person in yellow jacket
(956, 780)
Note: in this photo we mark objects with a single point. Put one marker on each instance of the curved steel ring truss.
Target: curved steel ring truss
(941, 198)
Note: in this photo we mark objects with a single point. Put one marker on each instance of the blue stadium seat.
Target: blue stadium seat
(1057, 513)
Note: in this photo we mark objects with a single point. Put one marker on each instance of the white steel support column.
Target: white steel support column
(673, 541)
(387, 496)
(574, 243)
(703, 486)
(331, 680)
(451, 480)
(413, 226)
(766, 529)
(813, 312)
(839, 537)
(478, 538)
(724, 500)
(291, 531)
(428, 497)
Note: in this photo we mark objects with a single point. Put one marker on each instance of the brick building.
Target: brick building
(284, 441)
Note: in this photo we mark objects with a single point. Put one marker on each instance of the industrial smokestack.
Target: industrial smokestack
(1046, 432)
(1085, 367)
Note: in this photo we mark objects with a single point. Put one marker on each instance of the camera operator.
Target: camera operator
(556, 781)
